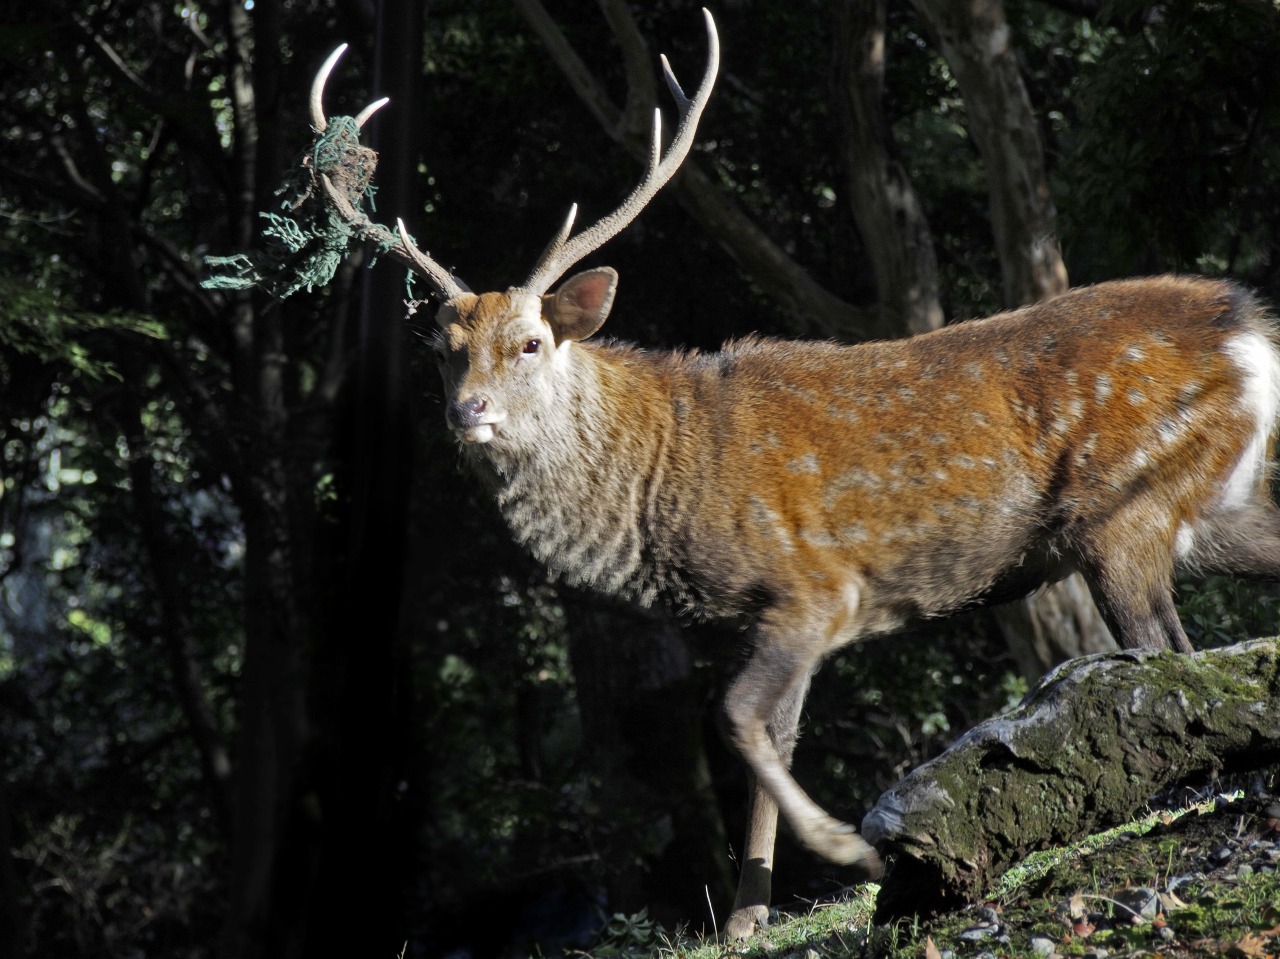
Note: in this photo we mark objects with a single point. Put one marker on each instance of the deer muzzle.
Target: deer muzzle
(473, 419)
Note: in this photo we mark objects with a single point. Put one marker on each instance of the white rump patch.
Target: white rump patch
(1184, 541)
(1260, 367)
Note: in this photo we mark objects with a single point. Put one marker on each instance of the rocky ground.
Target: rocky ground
(1195, 881)
(1201, 884)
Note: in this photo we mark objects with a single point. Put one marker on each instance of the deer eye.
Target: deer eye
(531, 346)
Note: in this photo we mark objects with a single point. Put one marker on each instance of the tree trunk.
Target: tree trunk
(642, 721)
(884, 205)
(1085, 750)
(360, 676)
(974, 39)
(1061, 622)
(275, 819)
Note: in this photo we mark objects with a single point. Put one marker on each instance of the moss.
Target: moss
(1208, 916)
(1135, 722)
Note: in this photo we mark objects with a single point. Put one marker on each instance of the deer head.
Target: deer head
(499, 352)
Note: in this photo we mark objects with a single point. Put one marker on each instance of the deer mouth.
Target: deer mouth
(481, 432)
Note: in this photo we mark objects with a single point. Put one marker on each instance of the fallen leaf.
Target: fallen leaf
(1075, 906)
(1250, 947)
(1083, 928)
(1169, 901)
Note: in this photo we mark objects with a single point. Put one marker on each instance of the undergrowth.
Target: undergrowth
(1202, 880)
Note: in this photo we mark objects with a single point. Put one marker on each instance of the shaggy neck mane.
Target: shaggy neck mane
(574, 488)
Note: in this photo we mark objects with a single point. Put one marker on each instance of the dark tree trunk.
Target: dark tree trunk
(976, 42)
(643, 724)
(1085, 750)
(275, 819)
(360, 694)
(889, 217)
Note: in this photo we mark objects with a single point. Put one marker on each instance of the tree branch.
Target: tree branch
(778, 275)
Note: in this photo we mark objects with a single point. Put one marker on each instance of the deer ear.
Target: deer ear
(581, 305)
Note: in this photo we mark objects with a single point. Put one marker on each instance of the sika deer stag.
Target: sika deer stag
(826, 493)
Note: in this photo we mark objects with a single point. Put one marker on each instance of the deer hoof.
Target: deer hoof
(746, 922)
(840, 843)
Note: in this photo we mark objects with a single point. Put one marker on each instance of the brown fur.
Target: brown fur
(825, 493)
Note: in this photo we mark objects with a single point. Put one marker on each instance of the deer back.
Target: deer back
(930, 472)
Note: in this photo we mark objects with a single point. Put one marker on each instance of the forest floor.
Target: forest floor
(1196, 881)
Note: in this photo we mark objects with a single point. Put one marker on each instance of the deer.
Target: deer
(820, 493)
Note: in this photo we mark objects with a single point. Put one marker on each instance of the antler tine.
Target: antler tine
(672, 83)
(318, 119)
(317, 89)
(363, 116)
(447, 285)
(563, 234)
(563, 252)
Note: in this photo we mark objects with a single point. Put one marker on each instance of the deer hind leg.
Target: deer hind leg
(776, 674)
(1130, 574)
(755, 884)
(1243, 541)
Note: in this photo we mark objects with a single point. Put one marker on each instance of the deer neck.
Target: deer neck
(577, 495)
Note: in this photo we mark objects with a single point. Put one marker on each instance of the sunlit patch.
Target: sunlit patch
(1256, 359)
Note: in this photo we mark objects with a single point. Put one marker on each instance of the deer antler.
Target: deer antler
(403, 248)
(562, 252)
(317, 95)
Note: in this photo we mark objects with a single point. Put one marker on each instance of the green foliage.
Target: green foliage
(305, 249)
(37, 326)
(1173, 162)
(1217, 610)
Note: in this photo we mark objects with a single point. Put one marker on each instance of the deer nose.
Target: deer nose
(466, 413)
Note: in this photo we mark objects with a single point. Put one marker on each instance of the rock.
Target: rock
(1007, 786)
(1219, 856)
(1143, 902)
(1042, 946)
(1176, 881)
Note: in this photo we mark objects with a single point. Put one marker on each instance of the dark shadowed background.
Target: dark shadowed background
(273, 680)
